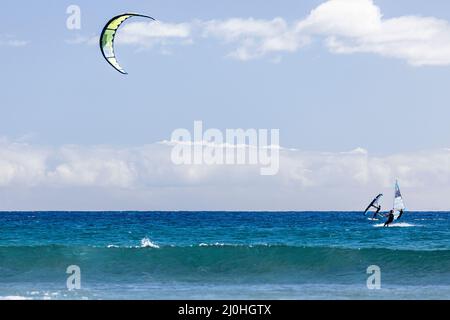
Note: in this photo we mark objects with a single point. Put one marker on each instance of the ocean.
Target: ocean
(223, 255)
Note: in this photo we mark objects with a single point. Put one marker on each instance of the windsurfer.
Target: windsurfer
(390, 217)
(400, 214)
(376, 212)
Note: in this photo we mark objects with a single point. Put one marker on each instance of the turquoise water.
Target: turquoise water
(219, 255)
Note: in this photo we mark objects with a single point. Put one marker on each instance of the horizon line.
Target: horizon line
(211, 211)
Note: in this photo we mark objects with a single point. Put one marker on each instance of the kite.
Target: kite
(108, 35)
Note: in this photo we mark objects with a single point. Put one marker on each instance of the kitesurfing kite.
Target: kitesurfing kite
(108, 35)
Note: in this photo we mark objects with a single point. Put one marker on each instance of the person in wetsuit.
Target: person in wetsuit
(390, 218)
(376, 212)
(400, 215)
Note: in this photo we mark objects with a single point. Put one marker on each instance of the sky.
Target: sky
(357, 88)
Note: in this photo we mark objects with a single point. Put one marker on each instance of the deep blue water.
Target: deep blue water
(196, 255)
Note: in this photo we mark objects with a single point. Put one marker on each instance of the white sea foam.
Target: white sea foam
(217, 244)
(147, 243)
(14, 298)
(398, 225)
(220, 244)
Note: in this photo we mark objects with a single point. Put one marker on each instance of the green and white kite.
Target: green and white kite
(108, 35)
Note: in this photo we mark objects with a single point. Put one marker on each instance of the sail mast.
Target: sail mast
(398, 200)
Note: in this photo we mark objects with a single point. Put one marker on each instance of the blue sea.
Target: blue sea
(223, 255)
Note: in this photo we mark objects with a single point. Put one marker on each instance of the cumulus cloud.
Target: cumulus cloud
(256, 38)
(343, 26)
(145, 178)
(351, 26)
(22, 164)
(250, 38)
(105, 167)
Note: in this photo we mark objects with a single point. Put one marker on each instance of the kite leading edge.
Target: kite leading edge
(108, 35)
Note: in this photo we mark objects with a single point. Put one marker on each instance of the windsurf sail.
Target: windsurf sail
(374, 204)
(108, 35)
(399, 204)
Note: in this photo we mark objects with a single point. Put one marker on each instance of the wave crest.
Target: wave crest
(147, 243)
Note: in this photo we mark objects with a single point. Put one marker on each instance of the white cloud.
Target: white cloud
(252, 38)
(148, 34)
(102, 166)
(352, 26)
(145, 178)
(255, 38)
(345, 26)
(11, 41)
(144, 35)
(80, 39)
(136, 31)
(21, 164)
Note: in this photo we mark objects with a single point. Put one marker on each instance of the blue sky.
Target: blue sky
(59, 92)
